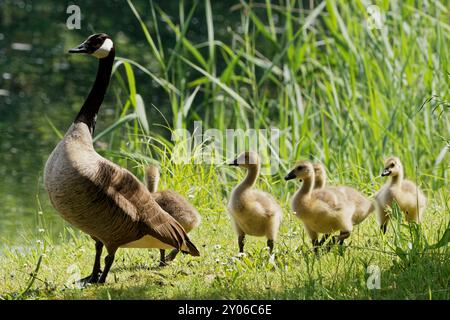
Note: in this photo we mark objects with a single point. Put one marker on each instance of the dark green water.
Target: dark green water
(39, 82)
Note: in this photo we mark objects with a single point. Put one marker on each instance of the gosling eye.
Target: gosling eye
(392, 165)
(300, 168)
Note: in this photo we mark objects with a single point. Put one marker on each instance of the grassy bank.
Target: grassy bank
(338, 91)
(411, 267)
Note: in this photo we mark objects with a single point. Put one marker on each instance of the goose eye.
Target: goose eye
(392, 165)
(300, 168)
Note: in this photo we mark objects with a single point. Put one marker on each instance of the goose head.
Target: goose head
(302, 170)
(320, 175)
(392, 167)
(246, 160)
(97, 45)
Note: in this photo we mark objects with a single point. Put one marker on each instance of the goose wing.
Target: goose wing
(135, 200)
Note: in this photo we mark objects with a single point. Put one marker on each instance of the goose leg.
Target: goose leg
(96, 270)
(241, 239)
(172, 254)
(162, 259)
(109, 259)
(270, 245)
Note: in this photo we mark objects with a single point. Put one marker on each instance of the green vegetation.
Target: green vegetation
(339, 92)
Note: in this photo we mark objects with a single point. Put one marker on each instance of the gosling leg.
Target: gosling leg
(324, 239)
(341, 237)
(315, 244)
(270, 245)
(96, 270)
(241, 239)
(383, 227)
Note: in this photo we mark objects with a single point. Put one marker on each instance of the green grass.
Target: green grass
(411, 268)
(338, 92)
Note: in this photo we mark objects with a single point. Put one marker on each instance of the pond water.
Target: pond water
(41, 84)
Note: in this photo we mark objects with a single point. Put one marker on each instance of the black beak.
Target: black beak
(385, 172)
(290, 176)
(234, 163)
(82, 48)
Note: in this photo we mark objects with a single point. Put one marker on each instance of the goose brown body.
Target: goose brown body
(105, 200)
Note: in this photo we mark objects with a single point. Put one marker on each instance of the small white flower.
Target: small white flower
(40, 212)
(39, 241)
(217, 247)
(241, 254)
(217, 260)
(410, 245)
(41, 230)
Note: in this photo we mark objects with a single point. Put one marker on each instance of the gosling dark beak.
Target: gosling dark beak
(234, 163)
(82, 48)
(290, 176)
(385, 172)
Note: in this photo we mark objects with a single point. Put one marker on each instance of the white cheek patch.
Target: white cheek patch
(104, 50)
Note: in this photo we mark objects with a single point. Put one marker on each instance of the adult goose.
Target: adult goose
(99, 197)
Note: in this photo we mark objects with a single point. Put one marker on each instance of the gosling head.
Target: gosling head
(97, 45)
(152, 175)
(392, 167)
(301, 171)
(320, 175)
(246, 160)
(152, 171)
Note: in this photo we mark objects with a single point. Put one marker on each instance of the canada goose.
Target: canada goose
(408, 196)
(252, 211)
(175, 205)
(363, 206)
(323, 210)
(99, 197)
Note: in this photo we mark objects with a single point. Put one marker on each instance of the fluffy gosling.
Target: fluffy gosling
(324, 210)
(410, 199)
(363, 206)
(174, 204)
(252, 211)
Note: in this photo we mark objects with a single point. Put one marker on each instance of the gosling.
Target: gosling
(252, 211)
(320, 176)
(363, 206)
(406, 194)
(174, 204)
(324, 210)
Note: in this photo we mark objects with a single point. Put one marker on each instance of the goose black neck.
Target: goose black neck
(89, 110)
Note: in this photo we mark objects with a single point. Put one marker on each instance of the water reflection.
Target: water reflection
(40, 82)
